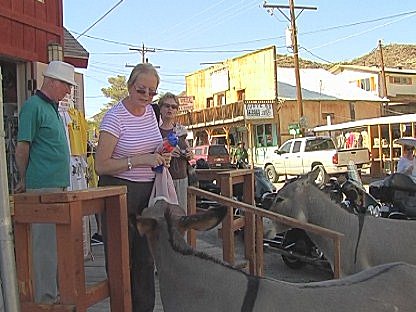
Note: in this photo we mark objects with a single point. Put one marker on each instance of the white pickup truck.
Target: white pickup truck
(301, 155)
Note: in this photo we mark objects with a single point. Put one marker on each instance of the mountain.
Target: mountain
(394, 56)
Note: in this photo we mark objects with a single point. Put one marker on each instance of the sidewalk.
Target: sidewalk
(95, 272)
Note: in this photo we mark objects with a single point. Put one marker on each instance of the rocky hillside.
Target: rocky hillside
(287, 61)
(394, 55)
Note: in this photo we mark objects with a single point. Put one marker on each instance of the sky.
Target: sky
(186, 36)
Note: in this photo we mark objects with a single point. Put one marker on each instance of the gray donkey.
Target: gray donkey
(369, 242)
(193, 281)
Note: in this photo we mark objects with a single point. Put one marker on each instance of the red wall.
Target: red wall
(27, 26)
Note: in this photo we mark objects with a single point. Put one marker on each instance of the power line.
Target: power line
(317, 56)
(193, 49)
(361, 32)
(357, 23)
(101, 18)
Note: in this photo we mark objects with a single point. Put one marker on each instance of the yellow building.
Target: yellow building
(250, 98)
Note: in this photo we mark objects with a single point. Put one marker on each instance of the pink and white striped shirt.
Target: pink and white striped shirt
(136, 135)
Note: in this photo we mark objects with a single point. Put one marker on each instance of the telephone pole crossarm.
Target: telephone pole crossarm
(143, 50)
(292, 20)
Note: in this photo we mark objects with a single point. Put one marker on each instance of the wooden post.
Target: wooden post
(227, 224)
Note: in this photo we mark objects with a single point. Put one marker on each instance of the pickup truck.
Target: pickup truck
(299, 156)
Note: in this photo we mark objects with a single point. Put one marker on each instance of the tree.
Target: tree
(115, 92)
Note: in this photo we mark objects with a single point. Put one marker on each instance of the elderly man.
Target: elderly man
(42, 159)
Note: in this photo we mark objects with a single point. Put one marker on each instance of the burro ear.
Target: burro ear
(318, 175)
(145, 225)
(203, 221)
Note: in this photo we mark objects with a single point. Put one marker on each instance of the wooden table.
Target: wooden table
(66, 209)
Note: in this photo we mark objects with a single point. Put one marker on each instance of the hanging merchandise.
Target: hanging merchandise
(75, 126)
(77, 130)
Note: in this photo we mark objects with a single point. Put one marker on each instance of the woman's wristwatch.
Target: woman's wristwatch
(129, 164)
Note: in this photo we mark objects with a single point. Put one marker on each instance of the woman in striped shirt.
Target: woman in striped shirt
(129, 136)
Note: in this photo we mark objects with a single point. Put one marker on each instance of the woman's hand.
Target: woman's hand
(189, 154)
(152, 160)
(167, 158)
(176, 152)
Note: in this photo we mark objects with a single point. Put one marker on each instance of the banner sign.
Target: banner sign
(258, 111)
(186, 103)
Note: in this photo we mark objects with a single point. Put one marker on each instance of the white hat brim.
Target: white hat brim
(71, 82)
(406, 141)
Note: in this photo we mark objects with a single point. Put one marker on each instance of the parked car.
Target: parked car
(216, 155)
(299, 156)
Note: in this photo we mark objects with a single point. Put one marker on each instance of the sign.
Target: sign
(294, 128)
(258, 111)
(186, 103)
(220, 81)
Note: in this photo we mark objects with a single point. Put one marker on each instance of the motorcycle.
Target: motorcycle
(397, 195)
(295, 246)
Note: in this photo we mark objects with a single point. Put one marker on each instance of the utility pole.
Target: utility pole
(383, 77)
(143, 51)
(292, 20)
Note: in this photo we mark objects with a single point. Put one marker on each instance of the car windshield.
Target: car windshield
(215, 150)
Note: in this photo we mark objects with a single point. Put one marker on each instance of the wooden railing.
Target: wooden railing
(217, 115)
(253, 230)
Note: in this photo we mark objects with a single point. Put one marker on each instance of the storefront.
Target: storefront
(380, 135)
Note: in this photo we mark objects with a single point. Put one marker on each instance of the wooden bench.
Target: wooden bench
(66, 209)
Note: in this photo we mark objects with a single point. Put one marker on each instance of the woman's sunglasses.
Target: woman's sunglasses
(171, 106)
(143, 91)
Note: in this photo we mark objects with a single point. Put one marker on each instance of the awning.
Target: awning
(368, 122)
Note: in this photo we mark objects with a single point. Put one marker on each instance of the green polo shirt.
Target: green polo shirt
(41, 126)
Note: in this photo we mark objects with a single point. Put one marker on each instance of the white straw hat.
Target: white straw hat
(61, 71)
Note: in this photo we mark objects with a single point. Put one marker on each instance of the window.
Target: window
(296, 147)
(266, 135)
(319, 144)
(241, 95)
(210, 102)
(400, 80)
(221, 99)
(285, 148)
(217, 150)
(365, 84)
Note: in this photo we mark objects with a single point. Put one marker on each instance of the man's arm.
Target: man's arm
(22, 159)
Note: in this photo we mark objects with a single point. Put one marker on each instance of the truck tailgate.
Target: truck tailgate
(358, 155)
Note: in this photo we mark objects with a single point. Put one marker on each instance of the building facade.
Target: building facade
(32, 35)
(399, 87)
(250, 98)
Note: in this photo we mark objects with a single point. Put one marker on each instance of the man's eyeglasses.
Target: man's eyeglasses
(149, 91)
(409, 148)
(173, 106)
